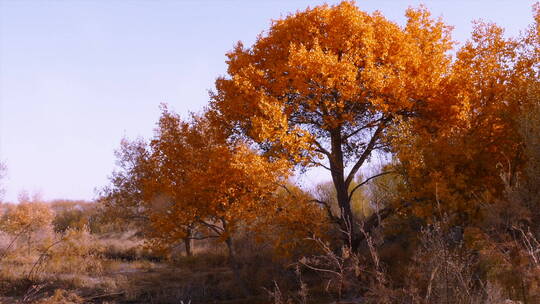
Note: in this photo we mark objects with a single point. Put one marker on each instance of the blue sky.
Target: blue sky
(77, 76)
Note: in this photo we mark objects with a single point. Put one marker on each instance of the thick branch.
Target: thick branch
(374, 220)
(366, 153)
(321, 149)
(286, 188)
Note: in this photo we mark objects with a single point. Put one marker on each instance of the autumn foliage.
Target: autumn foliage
(459, 157)
(448, 215)
(191, 183)
(322, 87)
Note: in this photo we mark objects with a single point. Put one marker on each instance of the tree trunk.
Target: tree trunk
(188, 241)
(233, 262)
(187, 244)
(351, 235)
(235, 266)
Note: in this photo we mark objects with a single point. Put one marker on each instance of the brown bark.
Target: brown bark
(187, 244)
(233, 261)
(347, 222)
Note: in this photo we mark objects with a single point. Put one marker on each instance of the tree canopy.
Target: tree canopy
(322, 87)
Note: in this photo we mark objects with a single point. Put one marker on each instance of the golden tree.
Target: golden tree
(457, 156)
(122, 201)
(191, 182)
(204, 181)
(25, 219)
(141, 191)
(321, 88)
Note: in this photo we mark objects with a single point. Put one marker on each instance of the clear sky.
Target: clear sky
(77, 76)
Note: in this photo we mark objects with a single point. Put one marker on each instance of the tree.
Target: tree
(190, 182)
(25, 219)
(322, 87)
(122, 200)
(148, 183)
(204, 181)
(456, 159)
(294, 221)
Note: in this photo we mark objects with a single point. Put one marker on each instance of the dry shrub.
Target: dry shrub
(65, 260)
(27, 223)
(340, 270)
(127, 246)
(61, 296)
(259, 265)
(342, 274)
(70, 218)
(26, 217)
(173, 285)
(506, 240)
(77, 252)
(443, 270)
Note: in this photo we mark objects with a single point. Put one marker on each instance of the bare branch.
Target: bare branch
(215, 228)
(367, 126)
(321, 269)
(367, 181)
(366, 153)
(323, 166)
(199, 238)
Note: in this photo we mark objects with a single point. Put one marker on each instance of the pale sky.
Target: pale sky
(77, 76)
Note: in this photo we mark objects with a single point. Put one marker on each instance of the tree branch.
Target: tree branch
(324, 166)
(374, 220)
(367, 126)
(366, 153)
(321, 149)
(198, 238)
(286, 188)
(366, 181)
(213, 227)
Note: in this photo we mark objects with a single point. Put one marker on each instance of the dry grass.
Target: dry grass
(80, 267)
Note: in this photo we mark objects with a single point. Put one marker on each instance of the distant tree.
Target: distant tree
(360, 205)
(25, 219)
(72, 214)
(323, 86)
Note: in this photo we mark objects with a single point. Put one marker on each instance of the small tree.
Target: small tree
(122, 200)
(25, 219)
(190, 182)
(201, 180)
